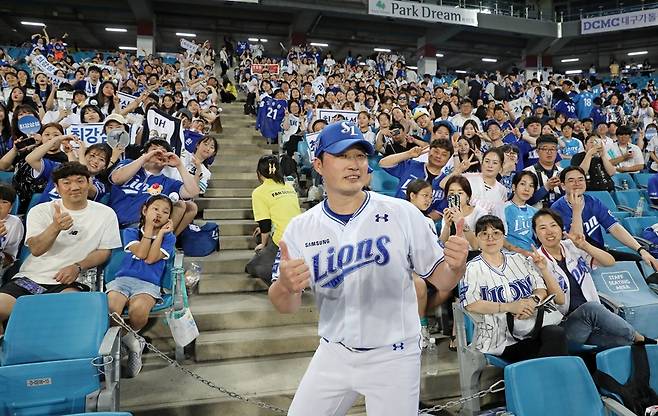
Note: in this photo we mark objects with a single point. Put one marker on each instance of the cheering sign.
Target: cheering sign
(259, 68)
(318, 86)
(92, 133)
(125, 99)
(312, 140)
(188, 46)
(57, 81)
(518, 104)
(329, 115)
(42, 63)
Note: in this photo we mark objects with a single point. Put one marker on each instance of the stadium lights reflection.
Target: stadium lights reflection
(186, 35)
(128, 48)
(116, 29)
(638, 53)
(461, 71)
(253, 39)
(489, 60)
(322, 45)
(439, 55)
(574, 72)
(381, 50)
(570, 60)
(263, 40)
(32, 23)
(412, 67)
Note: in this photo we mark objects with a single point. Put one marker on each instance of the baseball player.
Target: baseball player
(356, 252)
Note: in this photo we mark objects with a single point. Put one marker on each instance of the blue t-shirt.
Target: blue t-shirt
(260, 113)
(410, 170)
(572, 146)
(566, 107)
(126, 200)
(518, 220)
(132, 266)
(584, 103)
(274, 111)
(595, 214)
(50, 192)
(652, 189)
(597, 115)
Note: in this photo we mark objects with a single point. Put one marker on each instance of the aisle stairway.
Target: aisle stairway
(244, 343)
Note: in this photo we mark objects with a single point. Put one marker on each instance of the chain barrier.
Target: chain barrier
(494, 388)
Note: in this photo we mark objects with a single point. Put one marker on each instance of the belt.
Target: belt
(353, 349)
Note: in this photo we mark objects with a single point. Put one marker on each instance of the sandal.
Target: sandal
(452, 346)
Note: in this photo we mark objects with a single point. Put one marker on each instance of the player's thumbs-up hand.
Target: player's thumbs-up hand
(294, 274)
(62, 220)
(456, 248)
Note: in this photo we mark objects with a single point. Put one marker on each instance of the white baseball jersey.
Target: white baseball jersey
(516, 279)
(579, 263)
(361, 270)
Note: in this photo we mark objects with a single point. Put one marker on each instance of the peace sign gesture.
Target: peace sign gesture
(539, 260)
(415, 152)
(578, 239)
(463, 165)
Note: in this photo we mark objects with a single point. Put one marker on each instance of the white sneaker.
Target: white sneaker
(134, 365)
(424, 337)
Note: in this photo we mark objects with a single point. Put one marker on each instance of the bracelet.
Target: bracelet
(79, 267)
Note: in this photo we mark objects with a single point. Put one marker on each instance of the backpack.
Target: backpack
(500, 93)
(636, 394)
(200, 241)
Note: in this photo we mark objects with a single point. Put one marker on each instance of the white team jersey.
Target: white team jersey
(515, 279)
(492, 200)
(579, 263)
(361, 271)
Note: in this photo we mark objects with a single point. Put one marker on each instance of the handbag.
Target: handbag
(181, 323)
(546, 313)
(200, 241)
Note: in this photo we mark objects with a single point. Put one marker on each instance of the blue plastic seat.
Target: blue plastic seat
(617, 363)
(6, 176)
(623, 289)
(103, 414)
(623, 178)
(168, 282)
(635, 225)
(303, 150)
(609, 203)
(52, 352)
(383, 182)
(642, 179)
(612, 243)
(628, 200)
(555, 386)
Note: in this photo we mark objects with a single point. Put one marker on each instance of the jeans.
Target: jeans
(591, 323)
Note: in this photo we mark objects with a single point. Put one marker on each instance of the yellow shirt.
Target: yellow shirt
(276, 202)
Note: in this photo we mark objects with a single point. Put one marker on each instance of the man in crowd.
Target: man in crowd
(547, 172)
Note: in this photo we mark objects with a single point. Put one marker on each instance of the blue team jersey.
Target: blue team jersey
(410, 170)
(572, 146)
(274, 112)
(260, 114)
(584, 103)
(527, 154)
(652, 189)
(133, 266)
(595, 215)
(518, 221)
(566, 107)
(50, 192)
(597, 115)
(126, 200)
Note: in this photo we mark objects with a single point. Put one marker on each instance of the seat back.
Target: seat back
(635, 225)
(551, 386)
(383, 182)
(625, 286)
(630, 199)
(6, 177)
(62, 326)
(604, 197)
(642, 179)
(621, 179)
(612, 243)
(617, 362)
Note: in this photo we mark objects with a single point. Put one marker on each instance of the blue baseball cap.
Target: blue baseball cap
(337, 137)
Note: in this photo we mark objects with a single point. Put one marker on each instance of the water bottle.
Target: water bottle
(624, 185)
(192, 275)
(639, 209)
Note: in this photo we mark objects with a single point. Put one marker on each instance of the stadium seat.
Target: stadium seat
(620, 178)
(555, 386)
(52, 354)
(635, 225)
(623, 290)
(565, 163)
(168, 283)
(627, 201)
(612, 243)
(471, 361)
(642, 179)
(33, 201)
(103, 414)
(6, 177)
(383, 182)
(617, 363)
(610, 203)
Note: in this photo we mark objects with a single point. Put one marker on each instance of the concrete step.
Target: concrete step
(234, 175)
(233, 183)
(241, 168)
(227, 214)
(230, 283)
(256, 342)
(245, 310)
(244, 160)
(205, 203)
(237, 242)
(227, 192)
(236, 227)
(166, 391)
(222, 262)
(239, 152)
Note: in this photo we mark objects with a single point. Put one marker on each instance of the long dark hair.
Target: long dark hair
(269, 168)
(101, 99)
(147, 204)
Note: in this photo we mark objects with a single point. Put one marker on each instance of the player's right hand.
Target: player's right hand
(294, 274)
(62, 220)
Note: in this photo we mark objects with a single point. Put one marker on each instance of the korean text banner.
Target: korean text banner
(621, 21)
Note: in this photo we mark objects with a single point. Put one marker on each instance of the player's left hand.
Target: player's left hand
(538, 259)
(456, 248)
(649, 259)
(67, 274)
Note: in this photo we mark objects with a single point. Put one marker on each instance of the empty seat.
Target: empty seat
(611, 243)
(635, 225)
(610, 203)
(642, 179)
(628, 200)
(623, 181)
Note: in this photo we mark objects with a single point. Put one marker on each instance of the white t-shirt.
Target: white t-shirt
(617, 150)
(11, 242)
(94, 227)
(490, 199)
(469, 220)
(186, 158)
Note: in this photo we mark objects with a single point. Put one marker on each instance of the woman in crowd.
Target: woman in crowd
(496, 283)
(458, 189)
(519, 214)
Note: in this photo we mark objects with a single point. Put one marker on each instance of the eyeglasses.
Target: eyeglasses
(494, 235)
(548, 149)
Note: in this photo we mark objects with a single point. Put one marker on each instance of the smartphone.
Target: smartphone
(30, 92)
(25, 143)
(29, 285)
(545, 301)
(395, 132)
(454, 201)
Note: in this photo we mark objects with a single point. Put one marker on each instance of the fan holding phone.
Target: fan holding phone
(459, 195)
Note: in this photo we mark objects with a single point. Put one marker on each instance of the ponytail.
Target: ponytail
(269, 168)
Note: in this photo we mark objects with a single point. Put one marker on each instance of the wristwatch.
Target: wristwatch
(639, 250)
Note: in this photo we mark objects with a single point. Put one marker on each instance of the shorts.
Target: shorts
(12, 289)
(130, 286)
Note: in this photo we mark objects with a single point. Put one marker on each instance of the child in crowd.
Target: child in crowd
(11, 228)
(137, 282)
(419, 193)
(569, 145)
(518, 214)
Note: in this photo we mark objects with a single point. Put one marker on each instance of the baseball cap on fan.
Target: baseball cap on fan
(339, 136)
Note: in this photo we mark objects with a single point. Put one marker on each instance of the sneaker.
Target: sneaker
(424, 337)
(134, 365)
